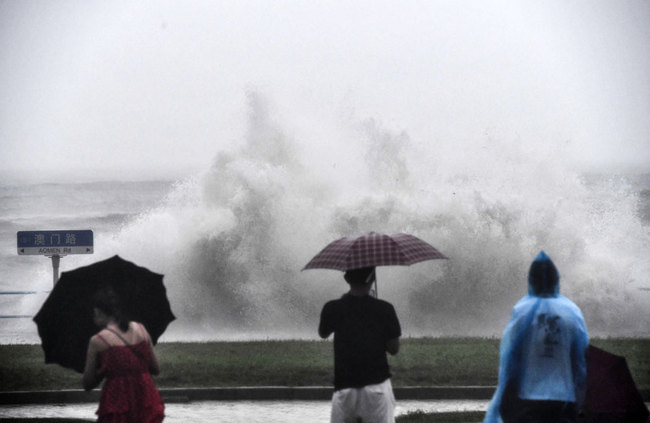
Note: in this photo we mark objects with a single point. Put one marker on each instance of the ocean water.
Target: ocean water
(232, 258)
(232, 239)
(104, 207)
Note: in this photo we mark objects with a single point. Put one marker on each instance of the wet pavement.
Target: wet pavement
(227, 411)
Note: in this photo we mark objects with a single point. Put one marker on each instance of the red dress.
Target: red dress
(129, 394)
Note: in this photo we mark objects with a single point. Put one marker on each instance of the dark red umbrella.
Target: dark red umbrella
(65, 321)
(373, 249)
(612, 396)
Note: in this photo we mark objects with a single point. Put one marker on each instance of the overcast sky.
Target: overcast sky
(110, 86)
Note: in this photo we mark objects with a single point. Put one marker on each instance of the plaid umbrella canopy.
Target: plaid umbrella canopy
(373, 249)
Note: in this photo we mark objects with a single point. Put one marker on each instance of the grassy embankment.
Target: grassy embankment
(421, 362)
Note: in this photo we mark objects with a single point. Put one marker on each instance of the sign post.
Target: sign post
(56, 259)
(55, 244)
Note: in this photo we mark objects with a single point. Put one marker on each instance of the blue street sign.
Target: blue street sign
(50, 243)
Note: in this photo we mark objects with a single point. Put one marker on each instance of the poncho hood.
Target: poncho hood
(543, 277)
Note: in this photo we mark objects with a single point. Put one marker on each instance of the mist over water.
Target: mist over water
(472, 126)
(232, 240)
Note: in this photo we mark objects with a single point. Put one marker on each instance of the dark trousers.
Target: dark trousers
(533, 411)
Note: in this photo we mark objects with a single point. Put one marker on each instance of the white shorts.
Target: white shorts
(371, 404)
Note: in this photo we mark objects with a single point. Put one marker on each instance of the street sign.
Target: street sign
(55, 243)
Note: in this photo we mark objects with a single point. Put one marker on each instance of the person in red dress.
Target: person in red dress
(122, 353)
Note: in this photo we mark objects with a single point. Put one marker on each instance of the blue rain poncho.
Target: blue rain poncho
(543, 345)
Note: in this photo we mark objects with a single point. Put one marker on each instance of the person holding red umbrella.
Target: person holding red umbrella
(365, 329)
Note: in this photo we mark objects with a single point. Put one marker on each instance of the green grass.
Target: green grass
(259, 363)
(446, 361)
(421, 362)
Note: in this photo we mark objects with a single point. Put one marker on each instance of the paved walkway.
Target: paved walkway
(305, 393)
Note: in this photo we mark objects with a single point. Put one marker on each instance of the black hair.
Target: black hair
(359, 276)
(107, 300)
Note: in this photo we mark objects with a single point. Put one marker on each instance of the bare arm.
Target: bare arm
(154, 364)
(91, 378)
(392, 346)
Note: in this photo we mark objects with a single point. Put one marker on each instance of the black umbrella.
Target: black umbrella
(65, 321)
(612, 395)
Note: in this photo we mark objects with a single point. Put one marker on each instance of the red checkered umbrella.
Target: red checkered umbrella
(373, 249)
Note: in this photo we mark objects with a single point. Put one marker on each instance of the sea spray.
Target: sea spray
(232, 240)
